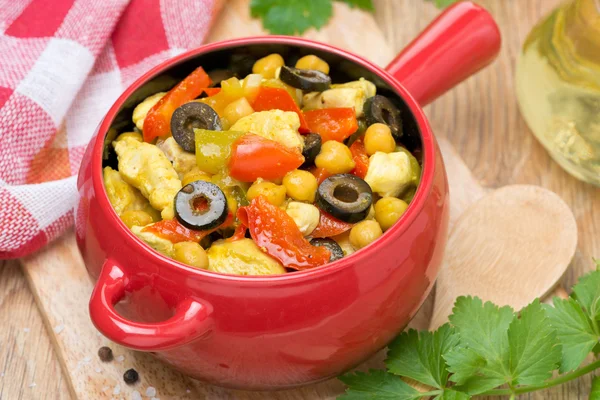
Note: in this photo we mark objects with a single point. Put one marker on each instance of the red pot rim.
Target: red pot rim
(361, 256)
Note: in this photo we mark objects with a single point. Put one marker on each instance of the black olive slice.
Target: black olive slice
(345, 196)
(308, 80)
(201, 206)
(312, 148)
(190, 116)
(331, 245)
(381, 109)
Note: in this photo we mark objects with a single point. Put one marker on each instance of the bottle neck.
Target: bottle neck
(581, 29)
(572, 42)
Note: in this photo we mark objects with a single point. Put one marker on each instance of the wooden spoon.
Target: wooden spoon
(511, 246)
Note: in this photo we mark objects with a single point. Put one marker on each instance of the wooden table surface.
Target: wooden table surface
(480, 118)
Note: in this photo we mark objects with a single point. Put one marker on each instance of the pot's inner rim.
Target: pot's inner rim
(239, 59)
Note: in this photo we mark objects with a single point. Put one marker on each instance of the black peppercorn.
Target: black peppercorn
(105, 354)
(130, 376)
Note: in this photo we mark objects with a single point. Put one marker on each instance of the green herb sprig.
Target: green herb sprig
(492, 351)
(294, 17)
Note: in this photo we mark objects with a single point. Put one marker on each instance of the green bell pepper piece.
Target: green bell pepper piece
(213, 149)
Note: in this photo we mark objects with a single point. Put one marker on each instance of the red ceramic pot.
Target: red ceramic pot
(282, 331)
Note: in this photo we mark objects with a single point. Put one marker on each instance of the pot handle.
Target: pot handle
(191, 319)
(458, 43)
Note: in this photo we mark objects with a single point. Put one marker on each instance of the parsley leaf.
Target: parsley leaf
(534, 350)
(486, 346)
(443, 3)
(453, 395)
(480, 362)
(362, 4)
(419, 355)
(377, 385)
(290, 17)
(574, 331)
(595, 392)
(587, 293)
(497, 347)
(483, 328)
(471, 372)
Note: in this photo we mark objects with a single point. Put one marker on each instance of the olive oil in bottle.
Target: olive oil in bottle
(558, 86)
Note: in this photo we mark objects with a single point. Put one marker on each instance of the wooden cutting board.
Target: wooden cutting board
(61, 286)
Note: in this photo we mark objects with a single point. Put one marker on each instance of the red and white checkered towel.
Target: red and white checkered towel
(62, 65)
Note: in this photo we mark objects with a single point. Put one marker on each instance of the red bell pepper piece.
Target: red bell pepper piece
(174, 232)
(158, 120)
(276, 233)
(239, 234)
(254, 157)
(270, 98)
(211, 91)
(360, 157)
(320, 173)
(330, 226)
(332, 123)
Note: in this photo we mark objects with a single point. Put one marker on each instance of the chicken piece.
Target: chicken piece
(133, 135)
(306, 216)
(277, 125)
(159, 244)
(241, 257)
(122, 195)
(183, 161)
(146, 168)
(367, 86)
(388, 173)
(141, 110)
(350, 95)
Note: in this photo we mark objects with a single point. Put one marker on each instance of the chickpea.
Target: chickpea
(313, 62)
(267, 66)
(190, 253)
(275, 194)
(378, 137)
(236, 110)
(132, 135)
(388, 210)
(194, 175)
(136, 218)
(300, 185)
(335, 158)
(364, 233)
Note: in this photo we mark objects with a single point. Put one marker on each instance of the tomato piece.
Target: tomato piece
(254, 157)
(211, 91)
(332, 123)
(330, 226)
(174, 232)
(271, 98)
(158, 120)
(240, 233)
(360, 157)
(276, 233)
(320, 173)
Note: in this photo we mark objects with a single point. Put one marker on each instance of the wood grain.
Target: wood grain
(480, 118)
(29, 369)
